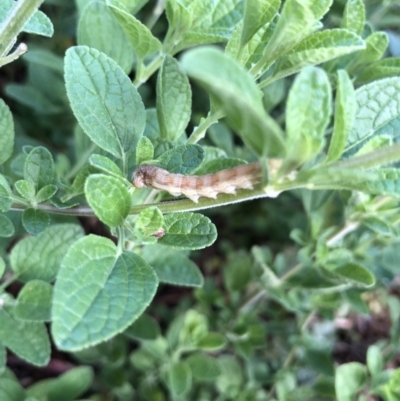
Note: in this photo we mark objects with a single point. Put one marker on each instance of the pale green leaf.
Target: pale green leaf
(40, 257)
(39, 168)
(149, 221)
(257, 13)
(11, 390)
(104, 101)
(380, 226)
(354, 16)
(25, 189)
(308, 115)
(105, 165)
(235, 89)
(78, 185)
(3, 357)
(178, 15)
(7, 132)
(345, 109)
(109, 198)
(188, 231)
(144, 328)
(174, 99)
(231, 376)
(45, 58)
(374, 360)
(349, 379)
(204, 367)
(141, 38)
(2, 269)
(97, 24)
(385, 68)
(28, 340)
(105, 292)
(319, 7)
(180, 378)
(355, 273)
(5, 194)
(211, 341)
(35, 221)
(378, 106)
(46, 193)
(316, 49)
(144, 150)
(34, 301)
(182, 159)
(6, 227)
(218, 164)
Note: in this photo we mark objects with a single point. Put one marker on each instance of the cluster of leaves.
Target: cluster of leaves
(98, 127)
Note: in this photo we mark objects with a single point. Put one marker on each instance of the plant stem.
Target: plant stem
(81, 162)
(155, 15)
(19, 51)
(18, 16)
(200, 131)
(148, 71)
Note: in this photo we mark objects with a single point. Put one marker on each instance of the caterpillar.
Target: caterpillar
(196, 186)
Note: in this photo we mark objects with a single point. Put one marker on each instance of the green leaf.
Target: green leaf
(149, 221)
(316, 49)
(26, 189)
(3, 357)
(203, 367)
(355, 273)
(349, 379)
(140, 37)
(374, 360)
(46, 193)
(180, 378)
(188, 231)
(240, 98)
(218, 164)
(257, 13)
(308, 115)
(182, 159)
(35, 221)
(2, 269)
(387, 67)
(144, 150)
(5, 194)
(231, 376)
(39, 168)
(28, 340)
(97, 24)
(6, 227)
(354, 16)
(71, 385)
(78, 185)
(320, 7)
(109, 198)
(380, 226)
(7, 132)
(178, 15)
(100, 285)
(34, 301)
(144, 328)
(40, 257)
(107, 105)
(174, 99)
(211, 342)
(345, 109)
(378, 107)
(104, 164)
(11, 390)
(45, 58)
(177, 269)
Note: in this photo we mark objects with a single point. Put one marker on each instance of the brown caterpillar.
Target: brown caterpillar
(195, 186)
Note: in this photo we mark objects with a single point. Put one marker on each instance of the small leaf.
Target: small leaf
(11, 390)
(387, 67)
(355, 273)
(109, 198)
(144, 328)
(354, 16)
(374, 360)
(217, 165)
(180, 378)
(78, 185)
(28, 340)
(149, 221)
(40, 257)
(5, 195)
(35, 221)
(349, 379)
(182, 159)
(141, 38)
(34, 301)
(96, 25)
(46, 193)
(39, 168)
(105, 165)
(188, 231)
(379, 226)
(6, 227)
(203, 367)
(7, 132)
(144, 150)
(100, 285)
(3, 357)
(2, 269)
(174, 99)
(211, 342)
(26, 189)
(345, 109)
(108, 106)
(45, 58)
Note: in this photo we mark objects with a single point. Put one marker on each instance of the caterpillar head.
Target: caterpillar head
(143, 175)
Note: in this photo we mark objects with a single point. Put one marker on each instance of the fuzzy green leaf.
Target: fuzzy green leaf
(46, 193)
(149, 221)
(109, 198)
(141, 38)
(104, 101)
(97, 24)
(5, 194)
(2, 269)
(354, 16)
(319, 7)
(28, 340)
(182, 159)
(105, 291)
(144, 150)
(7, 132)
(45, 58)
(144, 328)
(26, 189)
(211, 341)
(3, 357)
(374, 360)
(349, 379)
(385, 68)
(180, 378)
(6, 227)
(188, 231)
(174, 99)
(105, 164)
(355, 273)
(35, 221)
(40, 257)
(11, 390)
(236, 91)
(34, 301)
(39, 168)
(204, 367)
